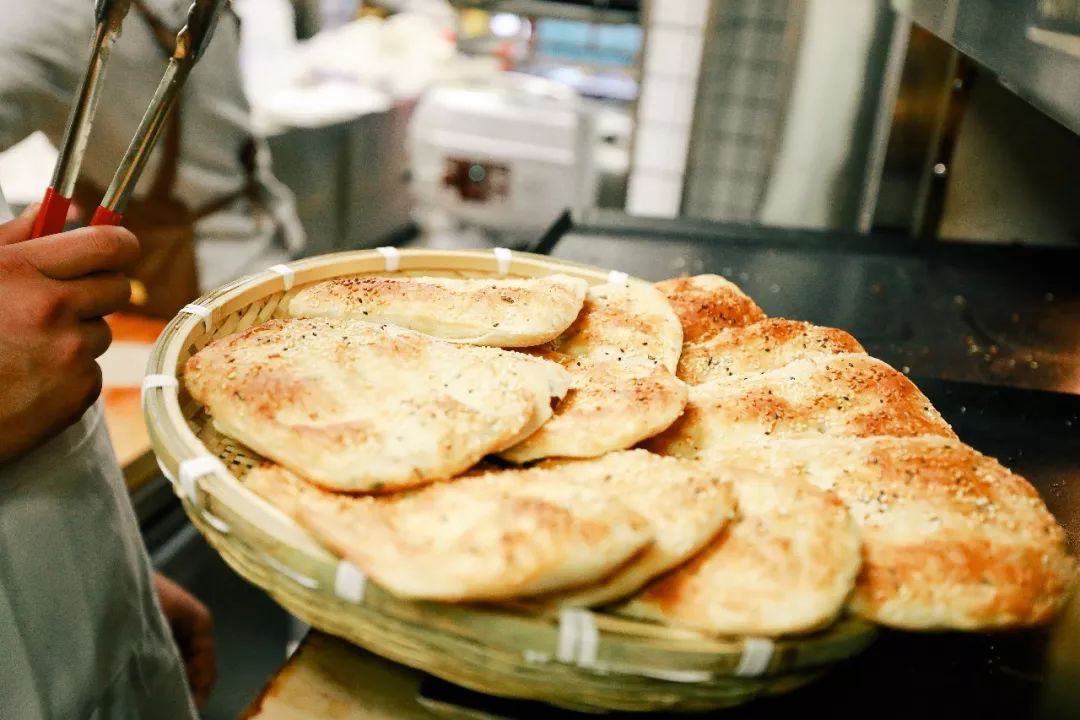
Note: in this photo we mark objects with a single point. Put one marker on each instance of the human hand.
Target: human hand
(193, 630)
(54, 292)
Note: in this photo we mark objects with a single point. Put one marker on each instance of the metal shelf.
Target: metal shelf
(1035, 55)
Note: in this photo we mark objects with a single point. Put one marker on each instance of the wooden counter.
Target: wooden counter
(330, 679)
(123, 367)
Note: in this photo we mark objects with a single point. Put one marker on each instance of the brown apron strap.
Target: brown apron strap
(165, 38)
(163, 185)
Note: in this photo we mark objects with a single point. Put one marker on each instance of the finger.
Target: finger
(97, 295)
(68, 255)
(96, 336)
(202, 670)
(18, 230)
(85, 390)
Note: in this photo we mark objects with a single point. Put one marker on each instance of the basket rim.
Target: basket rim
(174, 442)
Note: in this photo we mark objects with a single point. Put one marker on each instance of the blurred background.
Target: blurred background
(908, 170)
(481, 121)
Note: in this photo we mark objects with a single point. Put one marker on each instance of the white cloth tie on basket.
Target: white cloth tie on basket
(579, 639)
(215, 522)
(194, 468)
(204, 312)
(756, 655)
(288, 277)
(308, 582)
(349, 582)
(392, 256)
(503, 258)
(151, 382)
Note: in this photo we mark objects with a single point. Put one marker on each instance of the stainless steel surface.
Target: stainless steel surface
(190, 43)
(349, 178)
(921, 114)
(998, 34)
(109, 15)
(999, 315)
(378, 200)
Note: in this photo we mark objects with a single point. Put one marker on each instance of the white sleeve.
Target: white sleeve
(43, 52)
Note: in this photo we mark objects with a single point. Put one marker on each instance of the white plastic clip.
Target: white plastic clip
(165, 471)
(756, 655)
(204, 312)
(304, 580)
(217, 523)
(535, 657)
(578, 637)
(157, 381)
(194, 468)
(286, 273)
(503, 256)
(349, 582)
(392, 256)
(617, 277)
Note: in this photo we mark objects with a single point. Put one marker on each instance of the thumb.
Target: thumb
(18, 230)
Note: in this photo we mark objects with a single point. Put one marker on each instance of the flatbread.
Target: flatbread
(493, 536)
(708, 304)
(500, 312)
(610, 406)
(784, 566)
(628, 323)
(838, 395)
(361, 407)
(686, 504)
(951, 539)
(760, 347)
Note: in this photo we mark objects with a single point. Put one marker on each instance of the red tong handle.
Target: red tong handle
(51, 215)
(105, 216)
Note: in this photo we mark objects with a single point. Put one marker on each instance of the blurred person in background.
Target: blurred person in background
(207, 208)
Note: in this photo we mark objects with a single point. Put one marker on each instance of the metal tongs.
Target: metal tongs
(191, 41)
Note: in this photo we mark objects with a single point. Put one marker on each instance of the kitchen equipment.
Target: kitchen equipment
(190, 43)
(109, 15)
(503, 154)
(578, 659)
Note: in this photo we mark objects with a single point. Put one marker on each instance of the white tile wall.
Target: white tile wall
(667, 100)
(673, 47)
(654, 195)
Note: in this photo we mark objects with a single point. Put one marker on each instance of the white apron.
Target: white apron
(81, 633)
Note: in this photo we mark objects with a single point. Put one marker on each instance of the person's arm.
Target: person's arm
(43, 52)
(193, 630)
(55, 292)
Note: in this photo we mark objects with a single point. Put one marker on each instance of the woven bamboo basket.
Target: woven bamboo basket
(576, 659)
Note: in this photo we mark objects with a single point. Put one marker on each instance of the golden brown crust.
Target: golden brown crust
(313, 395)
(629, 323)
(841, 396)
(759, 347)
(951, 539)
(708, 304)
(491, 536)
(610, 406)
(784, 566)
(686, 504)
(498, 312)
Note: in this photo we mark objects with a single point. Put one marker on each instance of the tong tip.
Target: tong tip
(193, 38)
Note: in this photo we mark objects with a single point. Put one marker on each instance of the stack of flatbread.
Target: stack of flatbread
(666, 452)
